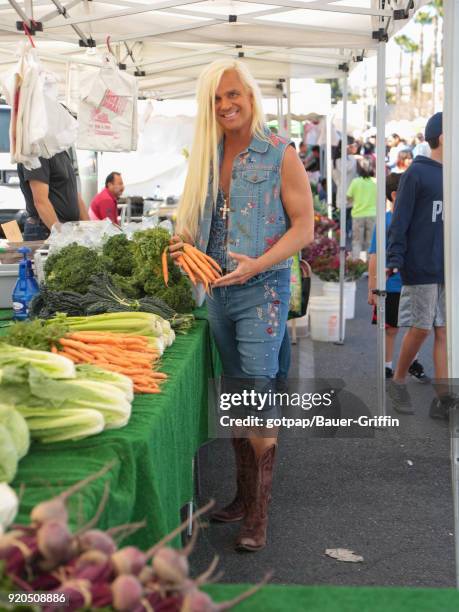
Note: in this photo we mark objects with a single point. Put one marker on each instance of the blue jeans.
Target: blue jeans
(248, 323)
(285, 356)
(35, 229)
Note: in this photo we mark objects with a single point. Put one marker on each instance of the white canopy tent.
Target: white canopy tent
(166, 43)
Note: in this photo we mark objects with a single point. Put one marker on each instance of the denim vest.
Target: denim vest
(257, 219)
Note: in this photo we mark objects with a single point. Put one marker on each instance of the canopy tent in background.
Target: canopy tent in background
(166, 43)
(160, 159)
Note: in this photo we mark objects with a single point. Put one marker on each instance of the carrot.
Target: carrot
(164, 265)
(143, 389)
(160, 375)
(74, 354)
(201, 263)
(187, 269)
(200, 275)
(102, 339)
(209, 261)
(54, 349)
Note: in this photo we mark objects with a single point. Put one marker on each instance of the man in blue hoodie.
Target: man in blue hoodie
(415, 248)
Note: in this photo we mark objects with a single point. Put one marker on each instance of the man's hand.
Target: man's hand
(247, 267)
(391, 271)
(176, 244)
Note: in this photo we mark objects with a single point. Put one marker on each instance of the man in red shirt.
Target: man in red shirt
(104, 204)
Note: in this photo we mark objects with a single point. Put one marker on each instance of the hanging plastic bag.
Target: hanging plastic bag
(107, 111)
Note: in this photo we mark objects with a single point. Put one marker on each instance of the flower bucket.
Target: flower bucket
(324, 318)
(332, 290)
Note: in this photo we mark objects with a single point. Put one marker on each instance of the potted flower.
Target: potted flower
(326, 267)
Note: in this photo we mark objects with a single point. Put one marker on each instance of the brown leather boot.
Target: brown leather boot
(235, 510)
(256, 496)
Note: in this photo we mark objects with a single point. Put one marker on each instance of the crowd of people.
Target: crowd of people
(415, 294)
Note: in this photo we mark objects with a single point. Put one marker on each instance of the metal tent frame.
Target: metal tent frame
(173, 39)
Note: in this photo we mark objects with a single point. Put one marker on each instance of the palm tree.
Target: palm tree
(422, 18)
(436, 7)
(400, 69)
(408, 45)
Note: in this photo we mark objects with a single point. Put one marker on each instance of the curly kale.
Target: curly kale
(120, 257)
(178, 296)
(72, 267)
(131, 287)
(148, 247)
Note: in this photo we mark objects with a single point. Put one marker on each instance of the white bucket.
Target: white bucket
(332, 290)
(324, 318)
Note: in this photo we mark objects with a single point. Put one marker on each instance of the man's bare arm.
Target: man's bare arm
(45, 210)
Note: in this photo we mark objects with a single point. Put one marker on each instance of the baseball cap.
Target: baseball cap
(434, 127)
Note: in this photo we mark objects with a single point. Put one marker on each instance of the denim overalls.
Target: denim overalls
(248, 321)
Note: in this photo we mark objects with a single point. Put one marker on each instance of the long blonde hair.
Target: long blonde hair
(207, 135)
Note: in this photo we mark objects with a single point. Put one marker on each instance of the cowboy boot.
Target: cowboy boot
(235, 510)
(256, 496)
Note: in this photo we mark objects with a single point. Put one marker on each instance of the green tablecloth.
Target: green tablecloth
(279, 598)
(152, 478)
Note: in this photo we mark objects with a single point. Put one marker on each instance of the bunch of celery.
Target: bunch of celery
(60, 401)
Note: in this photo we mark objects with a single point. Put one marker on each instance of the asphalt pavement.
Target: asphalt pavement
(383, 493)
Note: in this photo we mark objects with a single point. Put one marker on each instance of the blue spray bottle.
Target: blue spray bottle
(26, 287)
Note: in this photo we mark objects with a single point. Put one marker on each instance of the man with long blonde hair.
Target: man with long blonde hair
(248, 204)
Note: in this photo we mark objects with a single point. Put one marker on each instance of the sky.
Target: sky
(366, 71)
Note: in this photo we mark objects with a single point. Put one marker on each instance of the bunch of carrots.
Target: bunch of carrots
(199, 267)
(129, 355)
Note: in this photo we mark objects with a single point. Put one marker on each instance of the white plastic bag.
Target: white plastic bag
(107, 111)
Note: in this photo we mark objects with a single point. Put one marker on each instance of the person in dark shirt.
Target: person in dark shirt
(51, 195)
(415, 248)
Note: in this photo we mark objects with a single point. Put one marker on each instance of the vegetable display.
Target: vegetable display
(57, 401)
(93, 572)
(14, 441)
(148, 247)
(132, 267)
(104, 296)
(35, 334)
(129, 355)
(119, 255)
(47, 303)
(71, 268)
(155, 328)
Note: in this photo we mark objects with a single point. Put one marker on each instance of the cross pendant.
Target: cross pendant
(226, 209)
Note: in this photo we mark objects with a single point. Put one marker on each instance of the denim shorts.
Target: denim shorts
(422, 306)
(35, 229)
(248, 323)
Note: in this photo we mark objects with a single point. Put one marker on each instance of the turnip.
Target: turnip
(96, 540)
(128, 560)
(89, 558)
(146, 575)
(55, 542)
(170, 566)
(127, 593)
(56, 509)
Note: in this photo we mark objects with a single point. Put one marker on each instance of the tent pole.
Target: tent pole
(328, 155)
(451, 231)
(381, 227)
(289, 110)
(342, 210)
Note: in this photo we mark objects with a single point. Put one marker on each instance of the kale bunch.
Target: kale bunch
(177, 295)
(148, 246)
(120, 256)
(72, 267)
